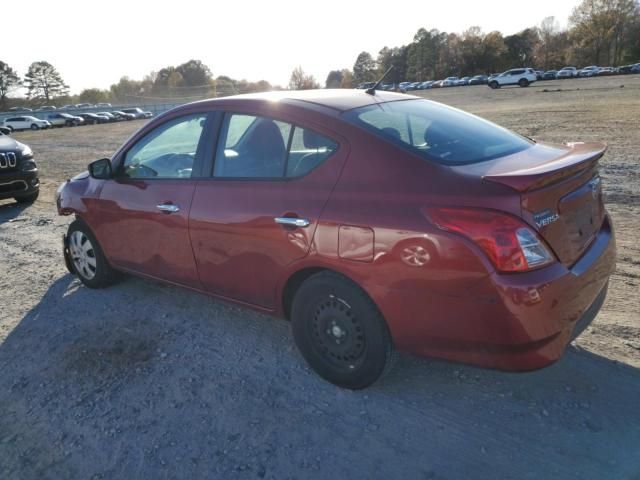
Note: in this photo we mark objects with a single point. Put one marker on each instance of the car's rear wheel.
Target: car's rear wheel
(523, 82)
(87, 258)
(340, 332)
(494, 84)
(34, 127)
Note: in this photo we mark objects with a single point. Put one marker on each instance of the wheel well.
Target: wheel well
(292, 285)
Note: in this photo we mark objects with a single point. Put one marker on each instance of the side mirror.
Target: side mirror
(101, 169)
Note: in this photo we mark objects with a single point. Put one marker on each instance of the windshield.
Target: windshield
(437, 132)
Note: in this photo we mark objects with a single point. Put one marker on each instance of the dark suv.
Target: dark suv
(18, 171)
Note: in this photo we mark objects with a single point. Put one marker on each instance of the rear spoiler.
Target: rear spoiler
(580, 157)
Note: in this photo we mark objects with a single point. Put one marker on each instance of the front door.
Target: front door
(144, 211)
(259, 212)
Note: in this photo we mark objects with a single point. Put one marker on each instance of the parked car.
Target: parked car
(588, 71)
(539, 74)
(426, 85)
(5, 131)
(67, 107)
(110, 116)
(25, 123)
(123, 116)
(93, 118)
(474, 252)
(20, 109)
(449, 82)
(567, 72)
(18, 171)
(602, 71)
(550, 75)
(103, 105)
(64, 120)
(84, 105)
(516, 76)
(628, 68)
(437, 84)
(464, 81)
(139, 113)
(365, 85)
(635, 68)
(46, 108)
(479, 80)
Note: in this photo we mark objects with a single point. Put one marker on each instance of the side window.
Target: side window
(308, 150)
(251, 147)
(168, 151)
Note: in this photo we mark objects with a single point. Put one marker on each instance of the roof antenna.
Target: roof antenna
(372, 90)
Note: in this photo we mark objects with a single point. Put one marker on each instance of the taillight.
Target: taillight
(508, 242)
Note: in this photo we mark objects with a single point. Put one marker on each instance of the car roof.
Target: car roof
(336, 99)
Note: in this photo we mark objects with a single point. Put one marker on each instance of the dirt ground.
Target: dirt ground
(145, 380)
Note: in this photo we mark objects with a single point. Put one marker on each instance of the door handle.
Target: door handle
(292, 221)
(168, 208)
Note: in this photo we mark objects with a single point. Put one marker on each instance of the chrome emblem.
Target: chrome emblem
(545, 217)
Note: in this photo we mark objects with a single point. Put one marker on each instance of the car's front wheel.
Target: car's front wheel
(32, 197)
(340, 331)
(34, 127)
(87, 258)
(494, 85)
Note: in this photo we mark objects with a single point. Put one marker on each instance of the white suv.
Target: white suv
(515, 76)
(24, 123)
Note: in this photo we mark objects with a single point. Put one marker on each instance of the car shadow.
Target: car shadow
(10, 210)
(144, 380)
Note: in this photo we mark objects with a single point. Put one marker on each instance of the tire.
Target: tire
(34, 127)
(28, 198)
(340, 332)
(523, 82)
(87, 259)
(494, 85)
(68, 123)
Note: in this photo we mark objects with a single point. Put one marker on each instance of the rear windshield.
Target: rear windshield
(437, 132)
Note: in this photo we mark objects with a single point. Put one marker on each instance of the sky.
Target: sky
(94, 43)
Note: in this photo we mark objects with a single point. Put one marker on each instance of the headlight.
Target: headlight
(27, 152)
(28, 166)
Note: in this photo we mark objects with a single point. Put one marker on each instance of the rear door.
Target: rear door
(259, 210)
(141, 218)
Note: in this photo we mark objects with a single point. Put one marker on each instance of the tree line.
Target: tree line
(600, 32)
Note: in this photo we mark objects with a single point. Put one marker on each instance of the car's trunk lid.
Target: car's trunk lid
(560, 191)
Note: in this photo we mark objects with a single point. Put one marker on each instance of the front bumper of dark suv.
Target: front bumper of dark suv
(19, 184)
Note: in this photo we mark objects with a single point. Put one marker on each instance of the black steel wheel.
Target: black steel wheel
(340, 332)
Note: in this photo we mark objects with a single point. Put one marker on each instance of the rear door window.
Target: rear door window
(308, 150)
(251, 147)
(259, 147)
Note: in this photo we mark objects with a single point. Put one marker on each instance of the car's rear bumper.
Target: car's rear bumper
(18, 184)
(509, 322)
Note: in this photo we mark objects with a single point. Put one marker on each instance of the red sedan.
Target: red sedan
(373, 221)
